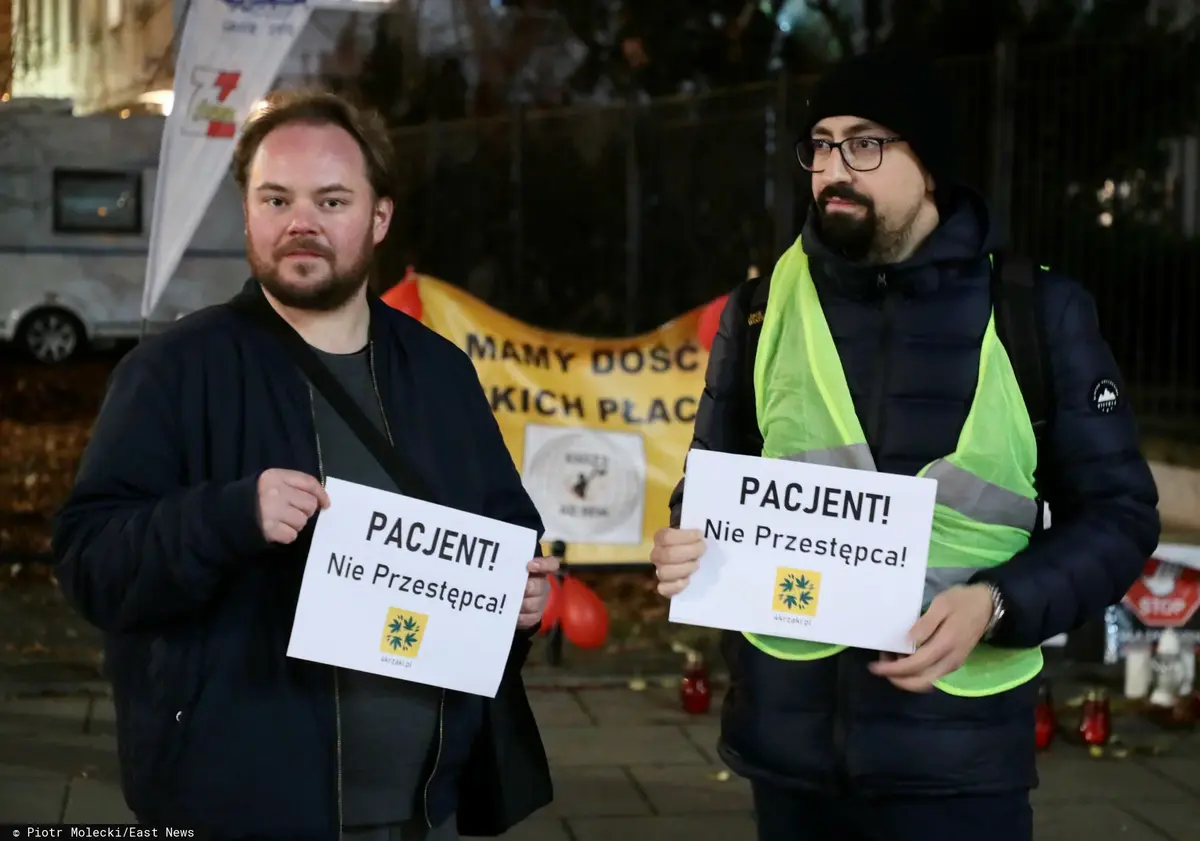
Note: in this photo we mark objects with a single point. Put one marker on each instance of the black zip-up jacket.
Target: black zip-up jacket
(908, 337)
(158, 546)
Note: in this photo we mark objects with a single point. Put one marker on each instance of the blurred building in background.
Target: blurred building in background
(671, 171)
(111, 55)
(6, 43)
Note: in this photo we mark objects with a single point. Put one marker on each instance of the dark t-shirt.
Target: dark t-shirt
(387, 724)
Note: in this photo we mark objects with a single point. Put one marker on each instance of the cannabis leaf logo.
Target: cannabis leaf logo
(403, 632)
(795, 592)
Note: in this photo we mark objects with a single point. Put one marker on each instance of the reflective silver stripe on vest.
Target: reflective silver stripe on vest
(982, 501)
(957, 489)
(938, 579)
(854, 456)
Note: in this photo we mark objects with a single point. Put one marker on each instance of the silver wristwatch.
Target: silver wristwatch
(997, 612)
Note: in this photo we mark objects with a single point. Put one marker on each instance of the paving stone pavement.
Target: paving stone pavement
(626, 765)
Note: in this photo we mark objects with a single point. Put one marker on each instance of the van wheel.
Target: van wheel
(51, 336)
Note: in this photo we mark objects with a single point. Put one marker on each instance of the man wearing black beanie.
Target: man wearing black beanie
(889, 339)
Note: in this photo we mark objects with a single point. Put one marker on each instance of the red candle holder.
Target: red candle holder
(695, 691)
(1045, 724)
(1095, 724)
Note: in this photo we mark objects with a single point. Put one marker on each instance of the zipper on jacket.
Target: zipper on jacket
(877, 417)
(876, 425)
(436, 759)
(442, 694)
(337, 695)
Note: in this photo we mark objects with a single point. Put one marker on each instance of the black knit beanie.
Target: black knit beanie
(900, 89)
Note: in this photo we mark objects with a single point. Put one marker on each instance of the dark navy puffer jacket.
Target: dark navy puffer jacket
(909, 337)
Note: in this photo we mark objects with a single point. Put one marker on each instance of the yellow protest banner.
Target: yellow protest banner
(599, 428)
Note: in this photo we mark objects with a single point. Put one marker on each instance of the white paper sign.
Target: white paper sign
(408, 589)
(805, 551)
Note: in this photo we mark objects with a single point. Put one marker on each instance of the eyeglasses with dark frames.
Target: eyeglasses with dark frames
(861, 154)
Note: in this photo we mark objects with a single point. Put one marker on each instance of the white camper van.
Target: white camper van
(75, 210)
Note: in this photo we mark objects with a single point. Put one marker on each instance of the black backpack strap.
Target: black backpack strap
(256, 309)
(1021, 326)
(756, 309)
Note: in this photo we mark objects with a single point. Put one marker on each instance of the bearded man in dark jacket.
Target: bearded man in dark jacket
(855, 745)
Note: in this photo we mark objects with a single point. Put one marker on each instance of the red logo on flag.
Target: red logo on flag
(212, 114)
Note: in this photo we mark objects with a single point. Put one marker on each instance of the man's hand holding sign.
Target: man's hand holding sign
(286, 501)
(405, 588)
(763, 542)
(537, 592)
(947, 632)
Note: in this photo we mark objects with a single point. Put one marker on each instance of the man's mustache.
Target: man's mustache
(845, 193)
(303, 245)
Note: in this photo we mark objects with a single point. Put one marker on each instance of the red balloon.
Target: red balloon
(553, 611)
(406, 297)
(584, 617)
(710, 319)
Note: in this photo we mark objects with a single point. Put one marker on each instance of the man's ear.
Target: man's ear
(382, 219)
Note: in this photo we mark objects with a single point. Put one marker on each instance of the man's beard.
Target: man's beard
(332, 293)
(850, 235)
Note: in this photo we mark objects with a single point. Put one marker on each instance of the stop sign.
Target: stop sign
(1166, 596)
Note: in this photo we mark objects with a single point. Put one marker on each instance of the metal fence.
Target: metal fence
(612, 220)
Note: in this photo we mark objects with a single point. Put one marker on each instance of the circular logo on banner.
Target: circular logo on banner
(584, 486)
(1105, 396)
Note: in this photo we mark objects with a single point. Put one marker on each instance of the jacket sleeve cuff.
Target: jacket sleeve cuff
(235, 515)
(1002, 634)
(521, 646)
